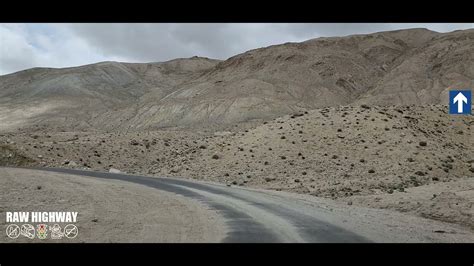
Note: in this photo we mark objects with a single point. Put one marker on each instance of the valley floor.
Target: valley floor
(416, 160)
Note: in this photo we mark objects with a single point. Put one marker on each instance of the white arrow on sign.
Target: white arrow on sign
(460, 98)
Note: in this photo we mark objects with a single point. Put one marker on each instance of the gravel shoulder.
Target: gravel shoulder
(109, 210)
(377, 225)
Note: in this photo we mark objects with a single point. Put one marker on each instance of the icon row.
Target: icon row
(69, 231)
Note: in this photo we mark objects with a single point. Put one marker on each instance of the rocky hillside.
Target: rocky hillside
(410, 158)
(337, 152)
(398, 67)
(330, 152)
(101, 96)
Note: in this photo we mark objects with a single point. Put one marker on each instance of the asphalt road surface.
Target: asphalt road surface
(264, 216)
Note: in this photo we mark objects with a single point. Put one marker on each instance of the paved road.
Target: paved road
(251, 218)
(265, 216)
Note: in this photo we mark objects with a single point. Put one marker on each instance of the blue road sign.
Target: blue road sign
(460, 102)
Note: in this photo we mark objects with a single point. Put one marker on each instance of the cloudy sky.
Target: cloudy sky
(24, 46)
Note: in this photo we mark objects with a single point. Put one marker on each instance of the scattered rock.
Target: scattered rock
(114, 171)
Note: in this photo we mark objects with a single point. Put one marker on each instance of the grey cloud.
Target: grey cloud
(158, 42)
(88, 43)
(145, 42)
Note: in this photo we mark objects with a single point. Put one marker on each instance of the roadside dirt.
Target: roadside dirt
(108, 210)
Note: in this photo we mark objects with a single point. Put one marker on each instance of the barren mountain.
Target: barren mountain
(412, 159)
(94, 97)
(398, 67)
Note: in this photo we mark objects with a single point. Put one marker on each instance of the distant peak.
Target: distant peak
(197, 58)
(107, 63)
(411, 30)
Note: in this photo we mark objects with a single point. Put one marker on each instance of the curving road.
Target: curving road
(268, 216)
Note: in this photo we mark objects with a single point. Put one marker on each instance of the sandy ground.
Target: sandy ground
(17, 117)
(394, 157)
(449, 202)
(109, 210)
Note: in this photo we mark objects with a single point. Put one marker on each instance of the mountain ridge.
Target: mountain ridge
(385, 68)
